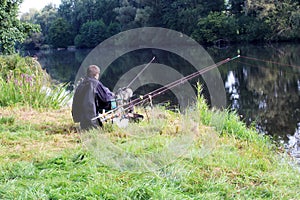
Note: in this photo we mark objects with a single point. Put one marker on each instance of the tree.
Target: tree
(284, 20)
(79, 12)
(12, 30)
(35, 40)
(60, 34)
(252, 29)
(45, 18)
(126, 15)
(91, 34)
(281, 17)
(216, 25)
(205, 20)
(183, 15)
(30, 16)
(236, 6)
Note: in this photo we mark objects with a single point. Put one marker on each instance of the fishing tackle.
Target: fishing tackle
(126, 105)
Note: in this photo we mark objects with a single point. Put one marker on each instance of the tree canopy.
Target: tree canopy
(12, 30)
(88, 22)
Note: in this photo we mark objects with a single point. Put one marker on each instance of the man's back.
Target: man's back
(90, 97)
(84, 107)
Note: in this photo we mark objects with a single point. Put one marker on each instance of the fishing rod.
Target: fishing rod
(163, 89)
(257, 66)
(140, 72)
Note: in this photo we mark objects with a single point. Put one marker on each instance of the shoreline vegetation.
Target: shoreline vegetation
(200, 154)
(80, 23)
(23, 82)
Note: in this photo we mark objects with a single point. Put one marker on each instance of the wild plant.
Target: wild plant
(24, 82)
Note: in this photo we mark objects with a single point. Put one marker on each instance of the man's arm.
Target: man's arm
(104, 93)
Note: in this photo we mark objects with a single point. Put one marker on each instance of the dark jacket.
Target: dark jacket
(90, 98)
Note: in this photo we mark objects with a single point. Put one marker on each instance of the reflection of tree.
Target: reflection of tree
(130, 60)
(269, 92)
(276, 99)
(61, 65)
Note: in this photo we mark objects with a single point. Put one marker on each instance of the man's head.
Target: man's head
(93, 71)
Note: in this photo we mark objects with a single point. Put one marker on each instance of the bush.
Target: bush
(60, 34)
(91, 34)
(24, 82)
(216, 26)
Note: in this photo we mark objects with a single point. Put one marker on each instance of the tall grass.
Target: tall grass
(24, 82)
(200, 154)
(219, 161)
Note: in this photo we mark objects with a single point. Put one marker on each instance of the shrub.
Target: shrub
(24, 82)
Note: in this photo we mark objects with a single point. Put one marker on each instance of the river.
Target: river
(263, 85)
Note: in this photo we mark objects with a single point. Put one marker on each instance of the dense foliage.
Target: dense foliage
(92, 21)
(12, 30)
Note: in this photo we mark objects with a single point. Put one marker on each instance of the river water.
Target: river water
(263, 85)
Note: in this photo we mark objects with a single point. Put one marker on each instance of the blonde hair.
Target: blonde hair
(92, 71)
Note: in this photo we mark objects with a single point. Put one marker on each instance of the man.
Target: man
(90, 98)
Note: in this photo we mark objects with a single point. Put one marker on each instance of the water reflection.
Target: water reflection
(62, 65)
(293, 145)
(231, 86)
(267, 86)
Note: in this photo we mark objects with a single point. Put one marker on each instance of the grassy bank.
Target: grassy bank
(23, 82)
(201, 154)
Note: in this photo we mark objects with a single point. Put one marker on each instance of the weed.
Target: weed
(24, 82)
(8, 121)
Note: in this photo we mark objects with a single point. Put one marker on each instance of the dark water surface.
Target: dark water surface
(263, 85)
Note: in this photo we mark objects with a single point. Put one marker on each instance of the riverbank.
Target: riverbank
(202, 154)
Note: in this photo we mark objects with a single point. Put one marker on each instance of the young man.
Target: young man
(90, 98)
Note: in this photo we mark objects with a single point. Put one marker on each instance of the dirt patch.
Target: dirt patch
(46, 146)
(51, 121)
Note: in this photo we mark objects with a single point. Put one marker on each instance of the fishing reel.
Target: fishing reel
(123, 96)
(123, 100)
(122, 110)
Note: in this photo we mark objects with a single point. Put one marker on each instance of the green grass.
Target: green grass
(201, 154)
